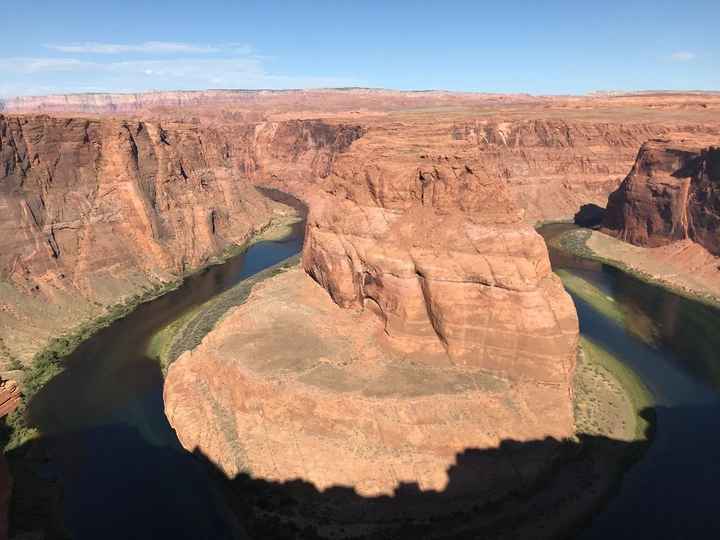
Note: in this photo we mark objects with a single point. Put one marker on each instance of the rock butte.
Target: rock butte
(453, 318)
(671, 194)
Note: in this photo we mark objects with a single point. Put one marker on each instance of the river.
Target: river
(120, 462)
(673, 344)
(123, 471)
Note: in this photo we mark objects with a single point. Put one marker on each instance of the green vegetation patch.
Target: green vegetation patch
(595, 356)
(187, 331)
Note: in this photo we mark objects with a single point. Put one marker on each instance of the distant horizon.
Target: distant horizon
(590, 93)
(541, 49)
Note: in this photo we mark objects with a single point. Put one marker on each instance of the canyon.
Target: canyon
(96, 213)
(81, 193)
(424, 318)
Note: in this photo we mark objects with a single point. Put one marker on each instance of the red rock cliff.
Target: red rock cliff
(672, 193)
(95, 211)
(438, 249)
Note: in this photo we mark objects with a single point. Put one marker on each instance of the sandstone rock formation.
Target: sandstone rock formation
(290, 389)
(556, 153)
(438, 326)
(96, 211)
(551, 167)
(672, 193)
(449, 268)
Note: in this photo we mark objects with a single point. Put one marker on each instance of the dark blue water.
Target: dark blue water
(123, 471)
(672, 492)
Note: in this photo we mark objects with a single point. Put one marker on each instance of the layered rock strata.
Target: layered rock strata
(93, 212)
(672, 193)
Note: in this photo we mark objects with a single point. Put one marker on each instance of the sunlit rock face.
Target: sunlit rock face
(425, 320)
(473, 285)
(93, 212)
(672, 193)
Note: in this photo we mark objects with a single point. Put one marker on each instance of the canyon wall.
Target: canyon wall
(556, 153)
(555, 166)
(324, 100)
(672, 193)
(549, 167)
(94, 212)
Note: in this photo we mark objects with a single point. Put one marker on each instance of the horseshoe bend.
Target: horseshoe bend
(446, 357)
(422, 322)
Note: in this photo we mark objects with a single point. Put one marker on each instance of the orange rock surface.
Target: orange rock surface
(438, 326)
(291, 387)
(672, 193)
(94, 212)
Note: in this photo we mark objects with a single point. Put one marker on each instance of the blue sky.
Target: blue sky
(550, 47)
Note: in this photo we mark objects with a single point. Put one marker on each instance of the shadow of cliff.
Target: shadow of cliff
(119, 486)
(285, 198)
(589, 215)
(111, 482)
(592, 487)
(536, 489)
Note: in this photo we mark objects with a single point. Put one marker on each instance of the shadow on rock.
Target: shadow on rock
(590, 215)
(131, 488)
(535, 489)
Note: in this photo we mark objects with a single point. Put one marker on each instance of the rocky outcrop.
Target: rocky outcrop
(550, 167)
(474, 286)
(672, 193)
(93, 212)
(554, 166)
(291, 389)
(434, 324)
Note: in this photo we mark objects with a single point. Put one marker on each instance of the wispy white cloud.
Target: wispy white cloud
(148, 47)
(682, 56)
(31, 75)
(23, 65)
